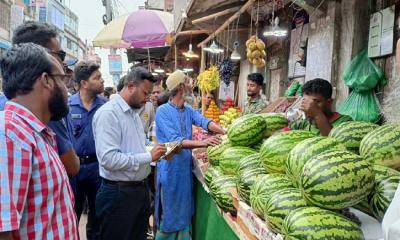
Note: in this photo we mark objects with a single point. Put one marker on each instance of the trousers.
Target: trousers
(85, 186)
(123, 211)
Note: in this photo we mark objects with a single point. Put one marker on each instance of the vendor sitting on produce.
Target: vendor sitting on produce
(255, 102)
(317, 106)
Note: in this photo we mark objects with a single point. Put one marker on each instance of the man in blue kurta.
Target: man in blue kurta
(83, 105)
(174, 189)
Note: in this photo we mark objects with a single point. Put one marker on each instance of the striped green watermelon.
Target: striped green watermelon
(305, 150)
(275, 122)
(246, 179)
(351, 133)
(336, 180)
(219, 190)
(382, 146)
(312, 223)
(212, 172)
(247, 131)
(230, 158)
(275, 150)
(280, 204)
(385, 188)
(251, 161)
(382, 172)
(262, 189)
(214, 152)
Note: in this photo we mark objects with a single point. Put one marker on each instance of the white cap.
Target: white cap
(175, 79)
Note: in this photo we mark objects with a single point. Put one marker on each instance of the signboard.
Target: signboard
(42, 14)
(39, 3)
(115, 64)
(226, 91)
(16, 17)
(381, 33)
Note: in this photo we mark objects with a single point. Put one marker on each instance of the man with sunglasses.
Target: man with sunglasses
(36, 197)
(46, 36)
(83, 105)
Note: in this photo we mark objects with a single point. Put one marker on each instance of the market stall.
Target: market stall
(254, 192)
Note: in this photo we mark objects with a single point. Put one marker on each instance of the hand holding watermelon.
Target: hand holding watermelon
(212, 141)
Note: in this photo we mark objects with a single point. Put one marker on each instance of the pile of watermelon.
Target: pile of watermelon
(300, 183)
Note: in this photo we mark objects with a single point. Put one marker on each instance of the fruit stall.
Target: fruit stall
(265, 183)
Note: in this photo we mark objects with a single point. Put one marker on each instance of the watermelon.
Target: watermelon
(251, 161)
(305, 150)
(275, 150)
(382, 146)
(274, 122)
(382, 191)
(351, 133)
(336, 180)
(247, 131)
(214, 152)
(246, 179)
(230, 158)
(262, 189)
(212, 172)
(280, 204)
(382, 172)
(313, 223)
(385, 188)
(219, 190)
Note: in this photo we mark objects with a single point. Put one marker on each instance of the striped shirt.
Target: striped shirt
(36, 201)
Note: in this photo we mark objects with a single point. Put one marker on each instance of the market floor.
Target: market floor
(82, 226)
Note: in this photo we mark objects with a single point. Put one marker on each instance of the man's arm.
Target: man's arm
(15, 177)
(323, 124)
(65, 149)
(215, 128)
(71, 162)
(169, 128)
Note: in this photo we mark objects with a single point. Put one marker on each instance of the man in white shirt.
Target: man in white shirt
(122, 203)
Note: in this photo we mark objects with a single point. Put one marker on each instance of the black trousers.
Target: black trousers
(85, 185)
(123, 211)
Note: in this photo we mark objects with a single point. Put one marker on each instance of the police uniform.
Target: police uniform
(86, 183)
(146, 114)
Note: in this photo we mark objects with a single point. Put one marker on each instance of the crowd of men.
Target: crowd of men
(60, 152)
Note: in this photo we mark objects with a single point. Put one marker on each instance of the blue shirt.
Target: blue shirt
(59, 127)
(79, 123)
(174, 177)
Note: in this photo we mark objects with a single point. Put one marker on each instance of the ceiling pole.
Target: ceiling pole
(244, 8)
(215, 15)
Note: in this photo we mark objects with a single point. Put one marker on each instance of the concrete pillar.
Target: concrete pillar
(353, 38)
(334, 39)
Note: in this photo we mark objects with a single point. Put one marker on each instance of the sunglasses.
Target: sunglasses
(61, 54)
(62, 77)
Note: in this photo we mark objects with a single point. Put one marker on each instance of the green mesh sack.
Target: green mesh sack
(362, 76)
(291, 91)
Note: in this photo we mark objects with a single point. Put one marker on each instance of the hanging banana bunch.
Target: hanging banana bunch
(209, 79)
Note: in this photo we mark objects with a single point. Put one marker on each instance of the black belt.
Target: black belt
(88, 159)
(126, 183)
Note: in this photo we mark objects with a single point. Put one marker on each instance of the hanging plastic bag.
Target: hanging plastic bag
(291, 91)
(362, 76)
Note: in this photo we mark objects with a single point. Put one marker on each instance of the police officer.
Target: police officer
(83, 106)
